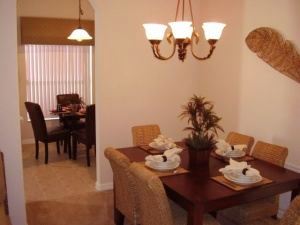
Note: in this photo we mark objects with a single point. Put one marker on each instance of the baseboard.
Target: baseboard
(103, 187)
(292, 167)
(28, 141)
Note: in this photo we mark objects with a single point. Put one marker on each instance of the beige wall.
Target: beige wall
(10, 142)
(132, 87)
(37, 8)
(270, 101)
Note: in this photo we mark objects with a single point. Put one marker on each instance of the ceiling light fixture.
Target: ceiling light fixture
(80, 34)
(183, 34)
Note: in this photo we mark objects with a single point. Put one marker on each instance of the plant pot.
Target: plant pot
(198, 158)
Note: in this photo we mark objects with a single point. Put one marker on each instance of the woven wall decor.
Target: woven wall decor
(279, 53)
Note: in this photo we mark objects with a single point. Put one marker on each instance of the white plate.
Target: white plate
(231, 154)
(162, 167)
(243, 181)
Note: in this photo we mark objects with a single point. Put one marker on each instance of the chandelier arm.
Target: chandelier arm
(156, 51)
(183, 3)
(191, 12)
(211, 50)
(177, 9)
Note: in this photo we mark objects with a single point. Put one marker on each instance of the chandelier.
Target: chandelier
(79, 34)
(183, 34)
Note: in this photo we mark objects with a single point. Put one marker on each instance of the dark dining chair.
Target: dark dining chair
(42, 134)
(67, 99)
(87, 135)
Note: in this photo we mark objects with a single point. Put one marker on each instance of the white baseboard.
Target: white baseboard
(28, 141)
(104, 187)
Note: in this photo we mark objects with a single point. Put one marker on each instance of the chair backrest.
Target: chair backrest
(37, 120)
(143, 135)
(123, 188)
(90, 124)
(234, 138)
(152, 200)
(67, 99)
(292, 215)
(271, 153)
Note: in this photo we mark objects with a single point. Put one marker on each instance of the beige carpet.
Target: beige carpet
(63, 192)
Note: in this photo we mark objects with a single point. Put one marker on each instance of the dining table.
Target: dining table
(198, 193)
(69, 117)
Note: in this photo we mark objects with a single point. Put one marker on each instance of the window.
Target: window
(57, 69)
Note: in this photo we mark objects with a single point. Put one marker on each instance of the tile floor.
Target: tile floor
(63, 192)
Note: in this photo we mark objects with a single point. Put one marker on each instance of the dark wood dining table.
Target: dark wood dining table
(69, 118)
(198, 194)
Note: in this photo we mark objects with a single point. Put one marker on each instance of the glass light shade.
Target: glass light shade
(213, 30)
(181, 29)
(154, 31)
(79, 34)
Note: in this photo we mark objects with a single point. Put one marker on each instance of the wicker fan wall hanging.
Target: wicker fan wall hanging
(279, 53)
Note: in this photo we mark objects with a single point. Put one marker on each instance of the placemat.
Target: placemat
(178, 170)
(237, 187)
(150, 150)
(246, 158)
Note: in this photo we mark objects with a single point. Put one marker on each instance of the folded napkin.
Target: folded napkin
(170, 155)
(226, 148)
(239, 169)
(163, 142)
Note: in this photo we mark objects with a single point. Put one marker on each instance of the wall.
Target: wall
(10, 142)
(132, 87)
(36, 8)
(270, 101)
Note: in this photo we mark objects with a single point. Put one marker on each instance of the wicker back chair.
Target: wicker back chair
(266, 207)
(152, 201)
(234, 138)
(143, 135)
(271, 153)
(290, 217)
(124, 198)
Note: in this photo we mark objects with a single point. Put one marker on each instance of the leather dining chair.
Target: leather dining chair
(67, 99)
(153, 205)
(43, 134)
(87, 135)
(234, 138)
(124, 193)
(265, 207)
(144, 134)
(4, 217)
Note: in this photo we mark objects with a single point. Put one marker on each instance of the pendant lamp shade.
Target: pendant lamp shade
(79, 34)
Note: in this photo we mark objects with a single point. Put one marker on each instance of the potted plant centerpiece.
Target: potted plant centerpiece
(203, 129)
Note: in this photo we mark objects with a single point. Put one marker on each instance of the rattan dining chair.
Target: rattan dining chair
(234, 138)
(266, 207)
(124, 198)
(152, 201)
(290, 217)
(144, 134)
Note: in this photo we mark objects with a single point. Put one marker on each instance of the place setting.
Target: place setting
(225, 151)
(165, 164)
(240, 175)
(159, 145)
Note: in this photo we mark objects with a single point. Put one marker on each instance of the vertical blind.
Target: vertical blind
(57, 69)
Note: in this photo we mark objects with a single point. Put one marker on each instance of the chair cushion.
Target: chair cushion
(57, 133)
(242, 214)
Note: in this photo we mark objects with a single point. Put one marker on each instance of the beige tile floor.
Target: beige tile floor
(63, 192)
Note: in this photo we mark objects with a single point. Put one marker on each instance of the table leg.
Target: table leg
(195, 216)
(119, 217)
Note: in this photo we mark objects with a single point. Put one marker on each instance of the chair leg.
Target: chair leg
(119, 217)
(36, 149)
(46, 152)
(57, 147)
(69, 147)
(65, 141)
(74, 139)
(88, 155)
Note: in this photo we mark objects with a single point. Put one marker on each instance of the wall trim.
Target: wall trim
(104, 187)
(293, 167)
(28, 141)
